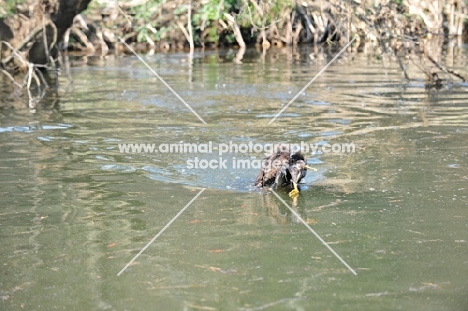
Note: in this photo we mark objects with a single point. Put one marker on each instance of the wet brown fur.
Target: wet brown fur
(292, 169)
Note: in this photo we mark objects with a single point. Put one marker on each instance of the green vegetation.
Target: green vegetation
(9, 7)
(405, 31)
(280, 22)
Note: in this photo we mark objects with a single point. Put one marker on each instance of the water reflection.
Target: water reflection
(75, 209)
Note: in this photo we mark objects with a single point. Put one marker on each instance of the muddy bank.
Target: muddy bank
(34, 33)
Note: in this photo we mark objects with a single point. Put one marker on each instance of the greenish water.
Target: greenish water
(74, 210)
